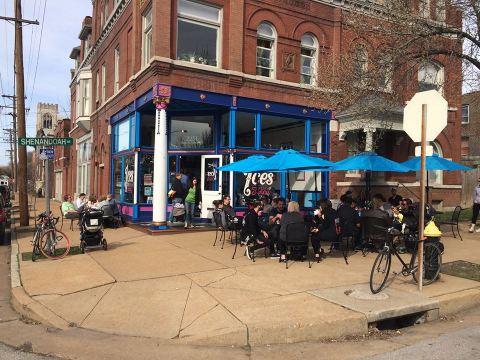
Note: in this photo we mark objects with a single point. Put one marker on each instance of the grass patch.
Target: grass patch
(465, 215)
(463, 269)
(74, 250)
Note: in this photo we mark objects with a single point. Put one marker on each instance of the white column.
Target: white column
(160, 161)
(230, 190)
(369, 139)
(135, 180)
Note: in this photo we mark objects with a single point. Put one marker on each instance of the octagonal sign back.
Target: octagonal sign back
(437, 113)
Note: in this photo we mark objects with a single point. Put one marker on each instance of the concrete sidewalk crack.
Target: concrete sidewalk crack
(98, 302)
(223, 278)
(198, 317)
(184, 309)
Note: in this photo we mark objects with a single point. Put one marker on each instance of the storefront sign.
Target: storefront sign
(148, 191)
(258, 184)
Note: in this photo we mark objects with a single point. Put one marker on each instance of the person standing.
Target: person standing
(476, 207)
(177, 193)
(193, 199)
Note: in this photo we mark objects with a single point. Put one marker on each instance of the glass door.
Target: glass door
(211, 183)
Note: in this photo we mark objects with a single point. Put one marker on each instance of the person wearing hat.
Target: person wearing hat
(395, 198)
(476, 207)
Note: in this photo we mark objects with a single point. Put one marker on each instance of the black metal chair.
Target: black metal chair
(297, 238)
(374, 232)
(109, 215)
(219, 227)
(63, 217)
(453, 221)
(346, 237)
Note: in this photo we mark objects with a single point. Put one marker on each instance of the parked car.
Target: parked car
(5, 193)
(3, 219)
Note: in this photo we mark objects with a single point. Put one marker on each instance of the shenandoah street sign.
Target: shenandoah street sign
(45, 141)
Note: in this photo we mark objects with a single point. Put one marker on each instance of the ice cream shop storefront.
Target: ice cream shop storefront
(172, 129)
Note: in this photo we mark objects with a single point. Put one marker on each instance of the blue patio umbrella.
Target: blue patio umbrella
(243, 165)
(433, 162)
(291, 160)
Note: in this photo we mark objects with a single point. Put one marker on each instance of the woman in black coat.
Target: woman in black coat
(323, 226)
(292, 216)
(252, 231)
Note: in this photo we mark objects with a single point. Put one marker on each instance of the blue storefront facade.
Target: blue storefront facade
(206, 130)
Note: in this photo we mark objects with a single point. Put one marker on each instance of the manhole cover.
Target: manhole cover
(463, 269)
(366, 295)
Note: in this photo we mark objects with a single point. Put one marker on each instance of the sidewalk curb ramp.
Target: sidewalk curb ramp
(282, 328)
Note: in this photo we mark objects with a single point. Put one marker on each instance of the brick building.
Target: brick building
(237, 75)
(470, 148)
(61, 161)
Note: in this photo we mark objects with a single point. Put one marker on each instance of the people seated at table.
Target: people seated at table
(361, 200)
(68, 209)
(376, 211)
(349, 220)
(395, 199)
(253, 234)
(266, 206)
(81, 201)
(323, 226)
(227, 207)
(274, 218)
(292, 216)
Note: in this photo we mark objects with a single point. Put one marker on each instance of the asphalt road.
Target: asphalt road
(7, 353)
(459, 345)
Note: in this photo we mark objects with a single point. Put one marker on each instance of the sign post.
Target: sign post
(433, 122)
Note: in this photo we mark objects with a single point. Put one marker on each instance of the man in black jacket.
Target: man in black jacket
(252, 232)
(177, 193)
(348, 219)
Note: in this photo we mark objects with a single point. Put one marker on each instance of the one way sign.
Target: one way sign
(46, 154)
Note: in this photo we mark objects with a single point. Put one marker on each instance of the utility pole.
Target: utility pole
(10, 139)
(14, 126)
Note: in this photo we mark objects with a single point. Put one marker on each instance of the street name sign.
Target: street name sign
(437, 112)
(46, 154)
(27, 141)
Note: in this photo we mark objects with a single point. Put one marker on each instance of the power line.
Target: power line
(30, 52)
(38, 55)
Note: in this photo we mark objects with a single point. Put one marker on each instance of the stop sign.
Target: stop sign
(436, 120)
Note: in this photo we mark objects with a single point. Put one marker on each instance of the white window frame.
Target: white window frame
(147, 36)
(78, 94)
(97, 87)
(203, 22)
(104, 84)
(439, 78)
(440, 10)
(363, 62)
(424, 8)
(86, 95)
(313, 58)
(466, 106)
(116, 82)
(273, 50)
(105, 13)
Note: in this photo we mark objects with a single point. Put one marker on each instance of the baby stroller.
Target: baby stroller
(179, 212)
(91, 230)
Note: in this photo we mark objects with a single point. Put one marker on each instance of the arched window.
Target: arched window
(47, 121)
(308, 62)
(440, 10)
(266, 37)
(430, 76)
(424, 8)
(360, 62)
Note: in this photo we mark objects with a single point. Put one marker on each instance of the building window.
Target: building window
(85, 86)
(465, 149)
(128, 179)
(83, 167)
(465, 114)
(282, 133)
(116, 84)
(117, 178)
(440, 10)
(266, 50)
(122, 136)
(97, 86)
(104, 83)
(225, 128)
(146, 36)
(360, 63)
(430, 77)
(198, 30)
(146, 179)
(147, 130)
(47, 121)
(424, 8)
(191, 132)
(308, 59)
(245, 129)
(105, 12)
(78, 95)
(317, 137)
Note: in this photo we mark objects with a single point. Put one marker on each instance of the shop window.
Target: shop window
(146, 179)
(430, 76)
(266, 50)
(122, 135)
(303, 187)
(308, 59)
(465, 114)
(317, 133)
(282, 133)
(254, 185)
(133, 132)
(147, 130)
(225, 135)
(129, 178)
(146, 36)
(245, 129)
(191, 132)
(198, 32)
(117, 177)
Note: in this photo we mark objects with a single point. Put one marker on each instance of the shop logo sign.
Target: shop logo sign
(258, 184)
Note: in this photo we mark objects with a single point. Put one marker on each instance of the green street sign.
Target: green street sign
(45, 141)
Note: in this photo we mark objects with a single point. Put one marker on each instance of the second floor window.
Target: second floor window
(85, 110)
(440, 10)
(97, 86)
(430, 76)
(104, 75)
(360, 63)
(266, 50)
(116, 84)
(146, 37)
(198, 33)
(424, 8)
(465, 114)
(308, 59)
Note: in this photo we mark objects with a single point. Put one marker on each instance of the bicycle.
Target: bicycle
(432, 259)
(46, 239)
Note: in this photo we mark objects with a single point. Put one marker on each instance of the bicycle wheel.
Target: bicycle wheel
(432, 263)
(35, 243)
(54, 244)
(380, 271)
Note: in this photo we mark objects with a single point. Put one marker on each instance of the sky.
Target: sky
(48, 44)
